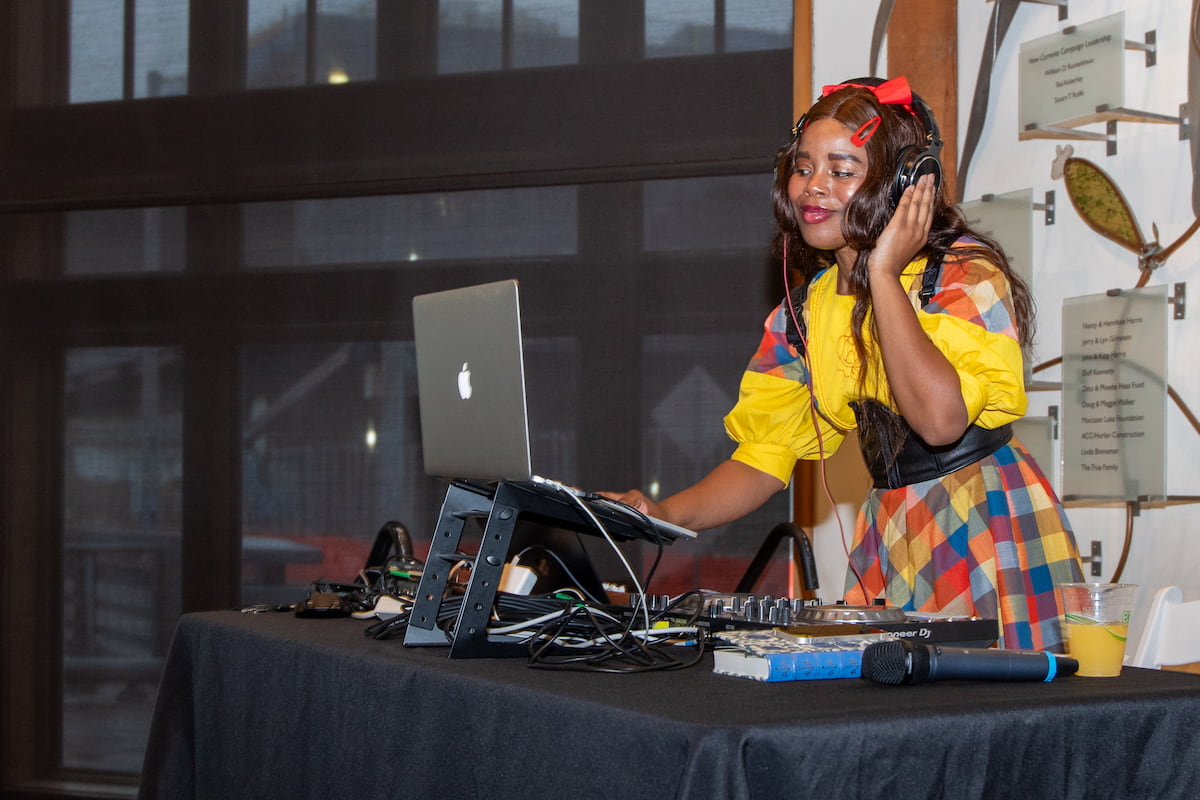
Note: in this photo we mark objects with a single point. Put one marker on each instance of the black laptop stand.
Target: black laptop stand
(499, 506)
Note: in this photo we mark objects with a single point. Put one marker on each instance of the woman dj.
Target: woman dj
(909, 328)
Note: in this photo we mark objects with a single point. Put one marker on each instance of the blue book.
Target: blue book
(774, 656)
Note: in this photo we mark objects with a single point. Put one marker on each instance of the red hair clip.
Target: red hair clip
(863, 135)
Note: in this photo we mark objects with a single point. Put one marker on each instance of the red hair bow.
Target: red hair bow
(893, 92)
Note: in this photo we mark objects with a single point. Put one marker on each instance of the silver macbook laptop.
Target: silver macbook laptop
(471, 383)
(471, 390)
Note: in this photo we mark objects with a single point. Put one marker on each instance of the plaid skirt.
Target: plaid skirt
(990, 540)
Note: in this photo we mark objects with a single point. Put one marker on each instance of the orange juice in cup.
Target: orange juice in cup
(1095, 623)
(1099, 647)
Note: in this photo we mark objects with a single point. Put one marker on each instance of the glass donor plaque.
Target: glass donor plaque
(1115, 395)
(1063, 77)
(1007, 218)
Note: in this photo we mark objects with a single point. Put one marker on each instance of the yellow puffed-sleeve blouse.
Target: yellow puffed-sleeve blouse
(790, 407)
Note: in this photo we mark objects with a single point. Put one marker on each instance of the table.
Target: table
(271, 705)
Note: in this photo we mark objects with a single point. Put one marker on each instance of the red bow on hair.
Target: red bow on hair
(893, 92)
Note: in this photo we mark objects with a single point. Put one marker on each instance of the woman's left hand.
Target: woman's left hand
(907, 231)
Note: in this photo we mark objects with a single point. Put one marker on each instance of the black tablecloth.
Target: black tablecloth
(275, 706)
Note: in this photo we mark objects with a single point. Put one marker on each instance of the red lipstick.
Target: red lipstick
(815, 214)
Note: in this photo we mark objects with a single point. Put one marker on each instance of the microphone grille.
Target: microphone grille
(887, 662)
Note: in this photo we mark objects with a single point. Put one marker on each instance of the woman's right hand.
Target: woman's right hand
(731, 491)
(637, 500)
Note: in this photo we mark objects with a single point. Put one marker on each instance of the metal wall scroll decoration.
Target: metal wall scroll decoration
(1102, 205)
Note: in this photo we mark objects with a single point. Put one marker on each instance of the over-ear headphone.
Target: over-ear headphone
(913, 161)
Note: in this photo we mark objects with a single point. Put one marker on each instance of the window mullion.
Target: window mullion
(310, 43)
(507, 34)
(128, 65)
(719, 42)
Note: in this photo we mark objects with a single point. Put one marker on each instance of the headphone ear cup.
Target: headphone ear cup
(912, 163)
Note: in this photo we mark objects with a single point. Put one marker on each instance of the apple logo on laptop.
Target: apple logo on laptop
(464, 382)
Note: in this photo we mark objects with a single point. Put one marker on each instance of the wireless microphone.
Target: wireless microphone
(901, 662)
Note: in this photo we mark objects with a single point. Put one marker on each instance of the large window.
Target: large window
(701, 27)
(716, 213)
(497, 223)
(328, 451)
(209, 393)
(299, 42)
(122, 240)
(126, 49)
(121, 470)
(480, 35)
(304, 42)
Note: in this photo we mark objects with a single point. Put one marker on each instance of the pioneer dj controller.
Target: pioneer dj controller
(724, 612)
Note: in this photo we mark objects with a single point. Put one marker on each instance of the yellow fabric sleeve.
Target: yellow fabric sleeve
(990, 368)
(773, 424)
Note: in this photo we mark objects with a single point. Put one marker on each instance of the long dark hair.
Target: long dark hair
(869, 210)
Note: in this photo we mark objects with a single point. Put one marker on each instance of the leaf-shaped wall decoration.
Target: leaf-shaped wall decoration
(1101, 204)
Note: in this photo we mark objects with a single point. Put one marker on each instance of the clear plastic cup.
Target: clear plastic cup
(1096, 624)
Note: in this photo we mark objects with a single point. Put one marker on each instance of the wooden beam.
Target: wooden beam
(802, 66)
(922, 44)
(804, 479)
